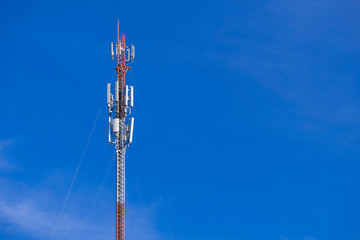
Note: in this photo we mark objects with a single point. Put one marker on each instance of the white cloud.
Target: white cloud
(27, 212)
(140, 223)
(4, 163)
(32, 210)
(297, 63)
(25, 215)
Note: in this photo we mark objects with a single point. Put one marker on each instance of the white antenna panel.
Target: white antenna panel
(109, 129)
(112, 50)
(117, 91)
(128, 54)
(126, 95)
(131, 96)
(132, 52)
(131, 130)
(116, 125)
(108, 95)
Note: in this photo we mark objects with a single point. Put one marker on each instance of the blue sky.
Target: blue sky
(247, 120)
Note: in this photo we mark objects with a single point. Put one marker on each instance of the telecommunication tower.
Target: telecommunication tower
(121, 124)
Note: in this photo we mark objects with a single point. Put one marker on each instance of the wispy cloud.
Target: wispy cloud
(26, 212)
(4, 162)
(141, 223)
(302, 57)
(32, 210)
(300, 79)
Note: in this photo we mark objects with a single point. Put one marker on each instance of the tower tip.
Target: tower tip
(118, 32)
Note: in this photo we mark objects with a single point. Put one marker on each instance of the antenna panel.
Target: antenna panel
(131, 130)
(132, 52)
(126, 95)
(109, 129)
(128, 54)
(131, 96)
(108, 95)
(116, 125)
(117, 91)
(112, 50)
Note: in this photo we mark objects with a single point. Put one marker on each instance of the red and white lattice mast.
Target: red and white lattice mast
(120, 123)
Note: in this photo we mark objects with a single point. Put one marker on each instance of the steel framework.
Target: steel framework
(120, 123)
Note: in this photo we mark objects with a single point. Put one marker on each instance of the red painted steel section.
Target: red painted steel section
(120, 221)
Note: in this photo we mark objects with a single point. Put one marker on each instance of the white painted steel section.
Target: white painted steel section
(120, 164)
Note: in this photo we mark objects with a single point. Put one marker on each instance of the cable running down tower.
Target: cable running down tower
(120, 123)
